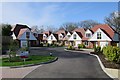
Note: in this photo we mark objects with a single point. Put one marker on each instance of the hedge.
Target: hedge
(112, 53)
(81, 46)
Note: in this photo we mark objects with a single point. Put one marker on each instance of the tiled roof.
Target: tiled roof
(47, 32)
(61, 31)
(81, 30)
(21, 32)
(16, 29)
(56, 36)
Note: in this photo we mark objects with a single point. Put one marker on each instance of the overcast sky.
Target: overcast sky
(55, 14)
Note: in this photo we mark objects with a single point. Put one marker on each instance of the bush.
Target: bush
(24, 49)
(70, 47)
(112, 53)
(97, 49)
(41, 45)
(47, 44)
(81, 46)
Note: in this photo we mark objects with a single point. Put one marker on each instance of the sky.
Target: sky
(54, 13)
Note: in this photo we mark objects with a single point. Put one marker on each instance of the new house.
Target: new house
(61, 34)
(76, 37)
(103, 35)
(66, 38)
(53, 38)
(45, 36)
(23, 34)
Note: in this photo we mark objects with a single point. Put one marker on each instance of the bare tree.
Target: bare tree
(113, 20)
(88, 24)
(69, 26)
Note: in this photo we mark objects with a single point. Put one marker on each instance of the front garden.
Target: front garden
(32, 59)
(20, 56)
(109, 55)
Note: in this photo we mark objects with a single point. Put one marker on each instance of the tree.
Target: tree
(88, 24)
(52, 28)
(6, 29)
(113, 20)
(69, 26)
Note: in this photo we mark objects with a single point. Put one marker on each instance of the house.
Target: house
(61, 34)
(66, 38)
(45, 36)
(76, 37)
(23, 34)
(88, 34)
(37, 35)
(103, 35)
(53, 39)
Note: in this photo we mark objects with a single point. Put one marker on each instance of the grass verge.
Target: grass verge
(33, 59)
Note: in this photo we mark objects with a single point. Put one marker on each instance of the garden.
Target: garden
(109, 55)
(20, 56)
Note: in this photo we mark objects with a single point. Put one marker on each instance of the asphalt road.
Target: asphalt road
(69, 65)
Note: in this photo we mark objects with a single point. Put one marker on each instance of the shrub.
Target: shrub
(47, 44)
(97, 49)
(24, 49)
(112, 53)
(81, 46)
(41, 44)
(69, 47)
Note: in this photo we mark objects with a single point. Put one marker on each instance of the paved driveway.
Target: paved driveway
(69, 65)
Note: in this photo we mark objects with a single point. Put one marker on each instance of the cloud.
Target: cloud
(24, 13)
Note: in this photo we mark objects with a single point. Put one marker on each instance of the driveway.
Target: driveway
(69, 65)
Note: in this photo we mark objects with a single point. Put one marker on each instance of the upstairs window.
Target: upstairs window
(98, 35)
(51, 37)
(88, 35)
(36, 35)
(74, 36)
(44, 36)
(27, 34)
(68, 36)
(60, 37)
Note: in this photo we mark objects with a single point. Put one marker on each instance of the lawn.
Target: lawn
(33, 59)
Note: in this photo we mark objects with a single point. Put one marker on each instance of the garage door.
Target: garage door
(102, 44)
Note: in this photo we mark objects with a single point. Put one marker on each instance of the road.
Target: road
(69, 65)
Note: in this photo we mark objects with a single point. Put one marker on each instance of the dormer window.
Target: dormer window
(98, 35)
(27, 34)
(74, 36)
(88, 35)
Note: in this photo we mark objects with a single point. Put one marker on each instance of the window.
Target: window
(86, 43)
(60, 36)
(98, 35)
(74, 36)
(88, 35)
(51, 37)
(36, 35)
(27, 34)
(44, 36)
(68, 36)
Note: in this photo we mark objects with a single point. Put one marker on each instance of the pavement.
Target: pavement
(69, 65)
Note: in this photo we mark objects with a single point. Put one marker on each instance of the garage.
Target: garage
(102, 44)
